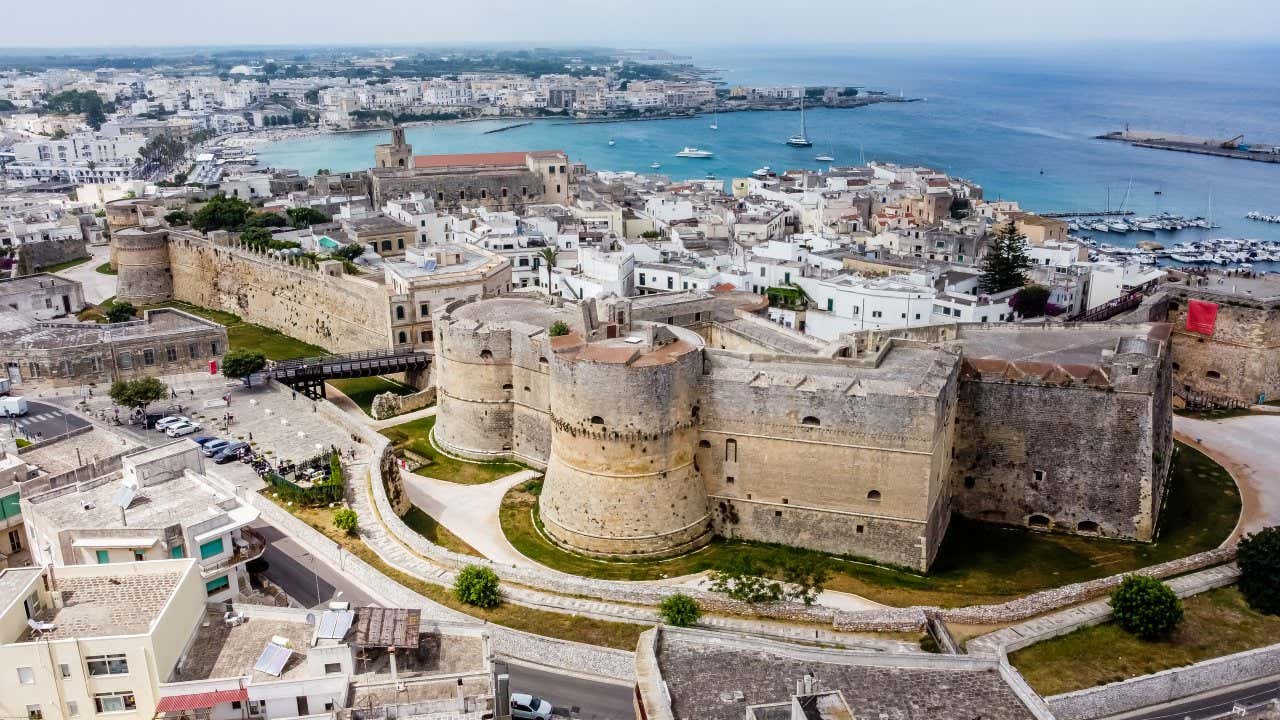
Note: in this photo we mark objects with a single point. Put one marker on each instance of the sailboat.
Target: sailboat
(801, 140)
(825, 157)
(715, 121)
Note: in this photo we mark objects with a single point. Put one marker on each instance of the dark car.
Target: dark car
(230, 452)
(213, 447)
(203, 440)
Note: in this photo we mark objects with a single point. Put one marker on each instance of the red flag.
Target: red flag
(1202, 316)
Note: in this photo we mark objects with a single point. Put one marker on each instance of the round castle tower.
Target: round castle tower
(621, 478)
(144, 275)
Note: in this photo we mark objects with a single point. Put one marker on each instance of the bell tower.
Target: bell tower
(397, 154)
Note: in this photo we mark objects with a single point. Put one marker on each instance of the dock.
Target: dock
(1100, 213)
(1234, 148)
(505, 128)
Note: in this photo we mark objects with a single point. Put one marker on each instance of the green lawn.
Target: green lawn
(240, 334)
(105, 268)
(363, 390)
(1216, 623)
(978, 562)
(428, 527)
(415, 437)
(64, 265)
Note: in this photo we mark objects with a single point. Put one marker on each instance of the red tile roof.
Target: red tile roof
(197, 701)
(495, 159)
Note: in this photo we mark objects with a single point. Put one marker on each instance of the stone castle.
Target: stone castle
(664, 420)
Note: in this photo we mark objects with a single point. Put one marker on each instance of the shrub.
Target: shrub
(1259, 559)
(477, 586)
(1146, 607)
(121, 311)
(679, 610)
(346, 520)
(1031, 301)
(558, 328)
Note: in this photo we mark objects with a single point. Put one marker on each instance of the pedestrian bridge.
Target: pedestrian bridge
(308, 375)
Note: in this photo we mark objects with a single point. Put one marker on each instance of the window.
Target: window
(125, 362)
(64, 669)
(399, 312)
(424, 336)
(731, 450)
(859, 529)
(728, 479)
(424, 309)
(777, 513)
(139, 556)
(26, 676)
(873, 496)
(486, 354)
(969, 482)
(597, 420)
(103, 557)
(211, 548)
(1213, 375)
(875, 313)
(73, 709)
(811, 421)
(177, 551)
(95, 363)
(332, 668)
(831, 304)
(670, 283)
(216, 584)
(114, 702)
(193, 350)
(33, 713)
(116, 664)
(213, 348)
(402, 338)
(1038, 475)
(1087, 526)
(399, 243)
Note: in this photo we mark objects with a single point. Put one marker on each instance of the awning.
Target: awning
(178, 703)
(114, 542)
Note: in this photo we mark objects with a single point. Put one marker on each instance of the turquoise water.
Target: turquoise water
(1022, 127)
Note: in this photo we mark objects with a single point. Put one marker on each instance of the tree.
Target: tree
(137, 393)
(301, 217)
(265, 220)
(243, 363)
(1006, 262)
(558, 328)
(1030, 301)
(178, 217)
(1259, 559)
(221, 213)
(548, 255)
(679, 610)
(346, 520)
(477, 586)
(1146, 607)
(348, 252)
(121, 311)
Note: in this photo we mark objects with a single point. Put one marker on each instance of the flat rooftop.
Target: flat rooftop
(377, 225)
(107, 604)
(703, 677)
(57, 335)
(902, 371)
(177, 501)
(500, 311)
(69, 453)
(1078, 344)
(27, 284)
(14, 579)
(219, 651)
(469, 259)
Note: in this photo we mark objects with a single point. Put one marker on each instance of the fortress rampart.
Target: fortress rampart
(1238, 361)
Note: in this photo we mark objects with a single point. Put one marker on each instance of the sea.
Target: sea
(1019, 122)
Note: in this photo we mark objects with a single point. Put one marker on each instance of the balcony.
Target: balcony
(248, 547)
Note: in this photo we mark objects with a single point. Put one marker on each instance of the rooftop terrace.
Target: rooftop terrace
(221, 651)
(104, 604)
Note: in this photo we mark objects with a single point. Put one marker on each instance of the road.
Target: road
(290, 567)
(572, 696)
(1210, 705)
(45, 421)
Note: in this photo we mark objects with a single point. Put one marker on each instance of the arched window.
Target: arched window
(485, 354)
(1038, 521)
(542, 360)
(874, 496)
(597, 420)
(507, 386)
(399, 312)
(1088, 526)
(1213, 375)
(811, 421)
(403, 338)
(704, 443)
(731, 450)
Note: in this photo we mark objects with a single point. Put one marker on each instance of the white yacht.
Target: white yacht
(761, 172)
(612, 143)
(715, 121)
(693, 152)
(825, 157)
(801, 139)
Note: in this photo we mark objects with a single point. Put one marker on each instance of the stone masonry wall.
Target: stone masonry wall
(340, 314)
(1239, 360)
(35, 255)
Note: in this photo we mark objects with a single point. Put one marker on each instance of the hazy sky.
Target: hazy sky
(637, 23)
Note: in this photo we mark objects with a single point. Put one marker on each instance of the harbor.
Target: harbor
(1234, 147)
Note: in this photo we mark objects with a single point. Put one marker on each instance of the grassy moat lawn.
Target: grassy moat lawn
(1216, 623)
(240, 334)
(363, 390)
(415, 437)
(978, 562)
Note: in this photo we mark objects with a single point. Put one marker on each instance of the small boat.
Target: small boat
(711, 176)
(761, 172)
(715, 123)
(825, 158)
(612, 143)
(696, 153)
(655, 165)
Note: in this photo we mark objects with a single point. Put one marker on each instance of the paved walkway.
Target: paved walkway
(349, 406)
(471, 512)
(97, 287)
(1247, 447)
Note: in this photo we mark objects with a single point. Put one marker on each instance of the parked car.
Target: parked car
(180, 429)
(203, 440)
(213, 447)
(528, 707)
(164, 422)
(230, 452)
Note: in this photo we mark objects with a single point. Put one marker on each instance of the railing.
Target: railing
(1112, 308)
(252, 546)
(366, 360)
(1208, 401)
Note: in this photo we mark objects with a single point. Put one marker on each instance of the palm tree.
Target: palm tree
(548, 255)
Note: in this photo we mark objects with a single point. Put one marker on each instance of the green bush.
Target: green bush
(477, 586)
(679, 610)
(1259, 559)
(558, 328)
(346, 520)
(1146, 607)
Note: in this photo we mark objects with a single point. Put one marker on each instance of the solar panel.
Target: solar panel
(273, 659)
(334, 624)
(429, 265)
(124, 496)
